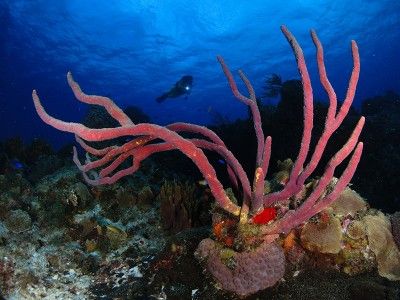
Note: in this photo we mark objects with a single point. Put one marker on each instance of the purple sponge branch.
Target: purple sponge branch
(185, 146)
(263, 148)
(299, 173)
(145, 142)
(105, 102)
(292, 188)
(251, 102)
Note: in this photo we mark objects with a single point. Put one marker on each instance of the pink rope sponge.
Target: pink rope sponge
(255, 204)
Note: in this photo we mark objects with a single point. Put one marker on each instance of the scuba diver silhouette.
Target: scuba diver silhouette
(181, 87)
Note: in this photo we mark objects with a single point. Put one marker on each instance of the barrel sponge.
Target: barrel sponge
(381, 242)
(246, 272)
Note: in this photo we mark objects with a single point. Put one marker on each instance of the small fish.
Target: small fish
(114, 229)
(116, 233)
(221, 161)
(16, 164)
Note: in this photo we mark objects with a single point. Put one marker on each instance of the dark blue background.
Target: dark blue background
(135, 50)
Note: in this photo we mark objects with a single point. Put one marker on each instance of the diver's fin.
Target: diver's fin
(162, 98)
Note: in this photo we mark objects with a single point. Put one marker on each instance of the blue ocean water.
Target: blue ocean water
(135, 50)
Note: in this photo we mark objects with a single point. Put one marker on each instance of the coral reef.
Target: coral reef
(18, 221)
(35, 160)
(7, 270)
(71, 258)
(182, 206)
(261, 217)
(62, 194)
(126, 224)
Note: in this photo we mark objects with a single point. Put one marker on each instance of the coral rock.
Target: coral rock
(381, 242)
(247, 272)
(349, 203)
(18, 221)
(182, 206)
(395, 221)
(145, 196)
(356, 230)
(322, 237)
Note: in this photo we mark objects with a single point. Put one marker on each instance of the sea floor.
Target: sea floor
(63, 239)
(43, 266)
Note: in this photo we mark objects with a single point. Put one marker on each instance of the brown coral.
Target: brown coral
(145, 196)
(395, 222)
(356, 230)
(381, 242)
(180, 207)
(322, 237)
(7, 269)
(349, 203)
(18, 221)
